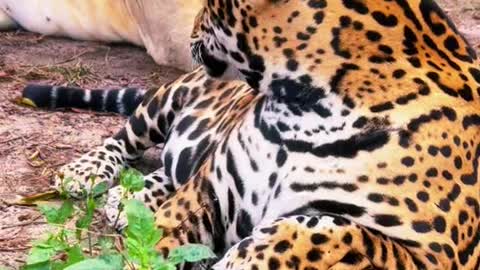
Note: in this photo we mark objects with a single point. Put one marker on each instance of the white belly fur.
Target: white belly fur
(165, 27)
(162, 26)
(104, 20)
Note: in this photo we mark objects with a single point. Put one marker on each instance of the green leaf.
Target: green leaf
(132, 180)
(38, 266)
(159, 263)
(142, 234)
(140, 253)
(53, 242)
(134, 249)
(58, 265)
(49, 212)
(114, 260)
(190, 253)
(106, 245)
(39, 255)
(75, 255)
(100, 189)
(86, 220)
(65, 211)
(92, 264)
(60, 215)
(164, 266)
(43, 251)
(141, 223)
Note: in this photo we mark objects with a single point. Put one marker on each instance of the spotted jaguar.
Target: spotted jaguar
(318, 134)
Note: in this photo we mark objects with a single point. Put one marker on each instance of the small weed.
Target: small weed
(79, 248)
(74, 74)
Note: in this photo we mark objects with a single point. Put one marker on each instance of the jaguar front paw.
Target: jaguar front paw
(116, 218)
(99, 165)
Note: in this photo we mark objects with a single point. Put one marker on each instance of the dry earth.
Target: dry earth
(33, 143)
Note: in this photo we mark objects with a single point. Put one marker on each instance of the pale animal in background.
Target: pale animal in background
(161, 26)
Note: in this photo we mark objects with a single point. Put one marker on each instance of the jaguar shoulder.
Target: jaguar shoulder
(378, 102)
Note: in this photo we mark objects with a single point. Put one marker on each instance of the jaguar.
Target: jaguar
(318, 134)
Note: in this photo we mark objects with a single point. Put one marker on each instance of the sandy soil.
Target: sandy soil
(33, 143)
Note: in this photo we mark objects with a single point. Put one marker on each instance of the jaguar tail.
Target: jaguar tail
(122, 101)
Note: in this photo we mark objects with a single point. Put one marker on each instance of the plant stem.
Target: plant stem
(90, 249)
(120, 207)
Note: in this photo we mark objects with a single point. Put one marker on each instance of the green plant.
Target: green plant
(79, 248)
(72, 74)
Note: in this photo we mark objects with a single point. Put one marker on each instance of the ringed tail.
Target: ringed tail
(122, 101)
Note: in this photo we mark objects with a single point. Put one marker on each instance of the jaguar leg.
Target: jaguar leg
(157, 188)
(102, 164)
(147, 127)
(323, 242)
(192, 215)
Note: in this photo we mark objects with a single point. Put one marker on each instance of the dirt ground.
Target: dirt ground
(33, 143)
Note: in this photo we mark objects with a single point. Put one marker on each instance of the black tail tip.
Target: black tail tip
(37, 95)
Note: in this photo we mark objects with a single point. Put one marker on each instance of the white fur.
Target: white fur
(53, 97)
(88, 95)
(121, 108)
(105, 20)
(162, 26)
(165, 27)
